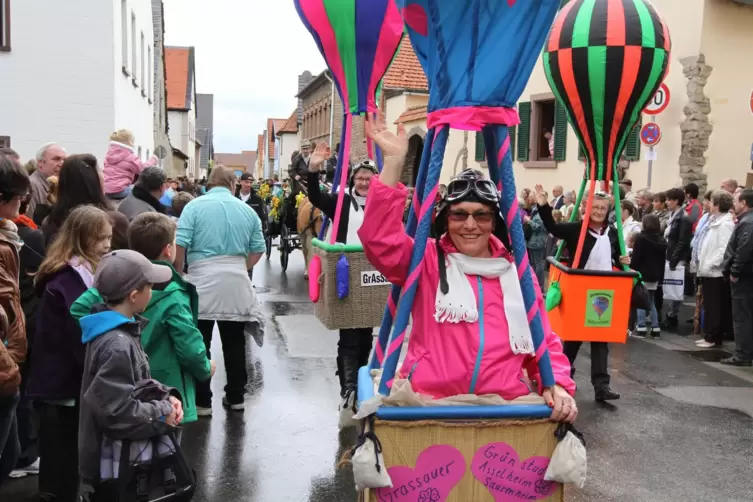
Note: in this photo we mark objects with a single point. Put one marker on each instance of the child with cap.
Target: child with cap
(115, 362)
(171, 339)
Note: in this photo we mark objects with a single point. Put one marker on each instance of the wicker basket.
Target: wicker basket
(364, 306)
(467, 461)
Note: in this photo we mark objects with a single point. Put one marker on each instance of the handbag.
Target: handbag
(639, 297)
(673, 285)
(166, 477)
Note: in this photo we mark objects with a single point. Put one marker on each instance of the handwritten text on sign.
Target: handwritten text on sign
(373, 278)
(499, 468)
(438, 470)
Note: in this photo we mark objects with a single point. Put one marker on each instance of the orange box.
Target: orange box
(595, 305)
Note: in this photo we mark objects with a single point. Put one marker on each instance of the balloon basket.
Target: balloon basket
(462, 457)
(367, 289)
(595, 305)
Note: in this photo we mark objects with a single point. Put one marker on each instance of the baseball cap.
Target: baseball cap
(123, 271)
(247, 177)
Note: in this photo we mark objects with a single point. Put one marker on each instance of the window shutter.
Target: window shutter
(480, 147)
(560, 132)
(513, 130)
(633, 144)
(524, 131)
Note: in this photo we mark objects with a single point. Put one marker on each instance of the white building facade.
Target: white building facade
(74, 72)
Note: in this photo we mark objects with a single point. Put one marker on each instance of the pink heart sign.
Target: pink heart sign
(499, 468)
(438, 469)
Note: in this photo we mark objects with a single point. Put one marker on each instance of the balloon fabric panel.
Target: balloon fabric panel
(358, 39)
(478, 52)
(605, 59)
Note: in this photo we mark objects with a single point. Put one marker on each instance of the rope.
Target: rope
(343, 179)
(481, 424)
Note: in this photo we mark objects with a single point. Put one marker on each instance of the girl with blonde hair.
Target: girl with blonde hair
(56, 373)
(122, 164)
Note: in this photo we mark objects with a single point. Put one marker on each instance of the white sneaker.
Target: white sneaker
(699, 342)
(32, 469)
(705, 345)
(234, 407)
(203, 412)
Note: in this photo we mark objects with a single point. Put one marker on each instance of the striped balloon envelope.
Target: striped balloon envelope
(358, 39)
(605, 60)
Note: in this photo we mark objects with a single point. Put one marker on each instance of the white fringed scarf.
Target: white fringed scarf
(459, 304)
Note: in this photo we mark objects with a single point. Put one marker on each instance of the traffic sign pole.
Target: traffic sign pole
(650, 160)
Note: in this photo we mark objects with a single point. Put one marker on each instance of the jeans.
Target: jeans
(233, 340)
(10, 449)
(642, 314)
(58, 451)
(120, 195)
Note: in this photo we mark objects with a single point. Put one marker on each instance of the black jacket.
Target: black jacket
(649, 252)
(31, 256)
(678, 240)
(570, 233)
(299, 168)
(327, 203)
(255, 203)
(738, 259)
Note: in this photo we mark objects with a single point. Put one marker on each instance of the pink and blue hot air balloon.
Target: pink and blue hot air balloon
(478, 56)
(358, 40)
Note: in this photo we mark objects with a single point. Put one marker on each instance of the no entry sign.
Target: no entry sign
(659, 102)
(650, 134)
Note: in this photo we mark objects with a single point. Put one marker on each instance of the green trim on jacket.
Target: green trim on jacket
(174, 344)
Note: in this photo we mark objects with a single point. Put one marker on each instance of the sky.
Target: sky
(249, 54)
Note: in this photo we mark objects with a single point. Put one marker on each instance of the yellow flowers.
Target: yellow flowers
(264, 192)
(298, 199)
(275, 211)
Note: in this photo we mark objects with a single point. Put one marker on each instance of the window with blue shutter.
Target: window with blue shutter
(560, 133)
(633, 144)
(524, 131)
(480, 147)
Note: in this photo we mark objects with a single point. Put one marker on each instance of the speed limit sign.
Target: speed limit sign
(659, 102)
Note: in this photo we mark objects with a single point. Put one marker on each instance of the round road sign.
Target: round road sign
(659, 102)
(650, 134)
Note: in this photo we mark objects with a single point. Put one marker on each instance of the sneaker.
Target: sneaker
(234, 407)
(735, 361)
(639, 333)
(700, 341)
(656, 332)
(347, 409)
(29, 470)
(201, 411)
(705, 345)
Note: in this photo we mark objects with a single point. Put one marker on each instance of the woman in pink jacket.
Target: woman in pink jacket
(470, 331)
(122, 165)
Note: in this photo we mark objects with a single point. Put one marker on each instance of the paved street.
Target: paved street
(681, 432)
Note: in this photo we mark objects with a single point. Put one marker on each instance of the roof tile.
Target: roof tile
(177, 62)
(291, 125)
(405, 71)
(411, 114)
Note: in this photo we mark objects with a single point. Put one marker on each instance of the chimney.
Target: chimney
(304, 79)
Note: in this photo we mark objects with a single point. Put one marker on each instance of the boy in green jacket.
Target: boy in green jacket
(177, 355)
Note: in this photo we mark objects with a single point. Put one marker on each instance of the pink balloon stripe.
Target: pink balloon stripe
(316, 13)
(540, 351)
(391, 305)
(389, 40)
(379, 353)
(396, 344)
(428, 204)
(343, 180)
(503, 151)
(524, 265)
(532, 312)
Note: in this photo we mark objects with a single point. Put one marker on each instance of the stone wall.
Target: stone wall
(696, 128)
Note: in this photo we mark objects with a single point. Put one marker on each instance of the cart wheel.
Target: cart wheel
(268, 241)
(284, 247)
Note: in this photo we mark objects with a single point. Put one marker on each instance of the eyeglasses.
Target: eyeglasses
(363, 180)
(478, 216)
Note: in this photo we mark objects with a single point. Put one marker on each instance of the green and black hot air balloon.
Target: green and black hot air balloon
(604, 60)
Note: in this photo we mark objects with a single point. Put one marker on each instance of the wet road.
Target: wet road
(681, 432)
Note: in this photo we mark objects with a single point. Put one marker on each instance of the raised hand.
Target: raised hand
(391, 144)
(318, 156)
(542, 198)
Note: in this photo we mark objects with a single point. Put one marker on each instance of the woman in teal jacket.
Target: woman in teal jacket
(177, 356)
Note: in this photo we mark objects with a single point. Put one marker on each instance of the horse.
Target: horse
(309, 224)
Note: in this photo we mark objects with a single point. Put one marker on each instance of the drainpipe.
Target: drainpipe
(332, 111)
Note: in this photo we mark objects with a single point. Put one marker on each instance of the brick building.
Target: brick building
(318, 122)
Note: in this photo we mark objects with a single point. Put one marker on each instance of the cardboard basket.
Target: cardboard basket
(368, 289)
(595, 305)
(466, 461)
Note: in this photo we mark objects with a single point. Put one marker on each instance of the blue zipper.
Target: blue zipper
(480, 355)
